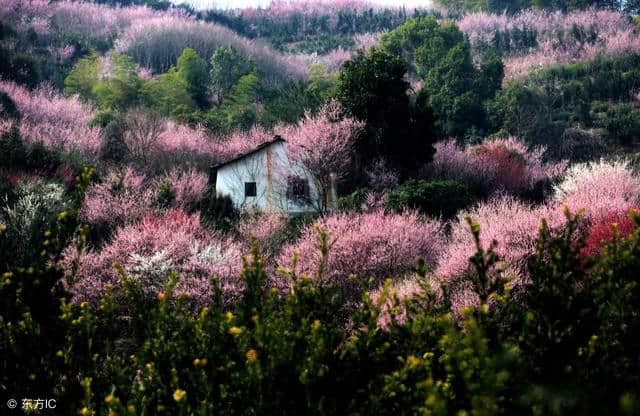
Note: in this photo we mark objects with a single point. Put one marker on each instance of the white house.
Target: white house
(266, 180)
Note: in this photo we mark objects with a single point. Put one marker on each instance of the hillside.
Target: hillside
(320, 207)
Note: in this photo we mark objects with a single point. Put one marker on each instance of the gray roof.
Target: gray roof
(249, 153)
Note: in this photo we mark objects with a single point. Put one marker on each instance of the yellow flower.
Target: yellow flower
(234, 330)
(179, 395)
(413, 361)
(161, 296)
(63, 215)
(131, 409)
(85, 412)
(196, 362)
(109, 399)
(203, 361)
(315, 325)
(228, 316)
(252, 356)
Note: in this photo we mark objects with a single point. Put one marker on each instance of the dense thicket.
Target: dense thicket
(578, 329)
(593, 96)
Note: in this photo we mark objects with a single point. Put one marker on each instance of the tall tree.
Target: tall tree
(227, 67)
(192, 69)
(372, 87)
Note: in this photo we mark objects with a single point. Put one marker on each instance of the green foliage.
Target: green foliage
(103, 118)
(165, 194)
(168, 95)
(227, 67)
(83, 76)
(353, 201)
(218, 211)
(440, 54)
(8, 108)
(572, 350)
(437, 198)
(372, 88)
(550, 102)
(121, 89)
(422, 42)
(14, 152)
(622, 122)
(192, 69)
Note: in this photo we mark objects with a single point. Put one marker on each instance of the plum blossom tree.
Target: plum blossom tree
(498, 164)
(371, 244)
(147, 250)
(601, 189)
(324, 145)
(56, 121)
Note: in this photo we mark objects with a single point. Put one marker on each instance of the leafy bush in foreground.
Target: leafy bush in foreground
(566, 343)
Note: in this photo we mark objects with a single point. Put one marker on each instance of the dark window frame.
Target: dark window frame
(250, 189)
(298, 189)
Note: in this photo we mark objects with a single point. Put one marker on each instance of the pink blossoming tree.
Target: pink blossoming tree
(324, 145)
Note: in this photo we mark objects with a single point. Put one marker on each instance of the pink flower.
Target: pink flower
(56, 121)
(149, 249)
(371, 244)
(498, 164)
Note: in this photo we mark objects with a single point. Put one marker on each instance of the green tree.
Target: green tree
(192, 69)
(121, 89)
(440, 54)
(372, 87)
(83, 76)
(227, 67)
(422, 42)
(168, 95)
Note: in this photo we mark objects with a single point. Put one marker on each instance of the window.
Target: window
(250, 189)
(297, 189)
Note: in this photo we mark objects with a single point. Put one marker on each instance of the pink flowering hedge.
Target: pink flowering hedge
(148, 250)
(366, 245)
(498, 164)
(125, 196)
(58, 122)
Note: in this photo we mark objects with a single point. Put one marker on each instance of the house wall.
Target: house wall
(269, 169)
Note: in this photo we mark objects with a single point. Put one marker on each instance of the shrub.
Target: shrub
(599, 188)
(34, 211)
(122, 197)
(369, 245)
(188, 188)
(580, 145)
(8, 108)
(58, 122)
(171, 240)
(165, 195)
(103, 118)
(573, 349)
(507, 221)
(605, 231)
(269, 230)
(497, 164)
(353, 201)
(437, 198)
(218, 211)
(113, 148)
